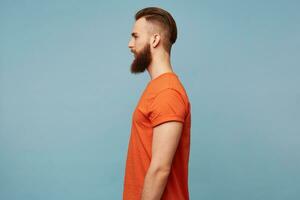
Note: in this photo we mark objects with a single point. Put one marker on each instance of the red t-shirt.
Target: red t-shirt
(164, 99)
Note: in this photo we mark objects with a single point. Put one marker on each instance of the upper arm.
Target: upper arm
(165, 141)
(167, 114)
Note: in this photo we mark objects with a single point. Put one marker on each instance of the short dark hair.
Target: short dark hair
(165, 20)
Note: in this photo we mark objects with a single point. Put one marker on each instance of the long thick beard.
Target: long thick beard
(142, 60)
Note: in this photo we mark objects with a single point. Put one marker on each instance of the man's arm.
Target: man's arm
(164, 145)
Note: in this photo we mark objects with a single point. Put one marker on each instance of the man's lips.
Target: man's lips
(133, 53)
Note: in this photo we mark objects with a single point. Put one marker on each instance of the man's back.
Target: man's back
(164, 99)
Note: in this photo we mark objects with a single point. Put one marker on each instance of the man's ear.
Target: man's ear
(155, 39)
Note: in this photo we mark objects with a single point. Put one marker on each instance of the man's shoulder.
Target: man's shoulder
(168, 83)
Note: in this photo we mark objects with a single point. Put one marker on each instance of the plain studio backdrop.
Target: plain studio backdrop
(67, 96)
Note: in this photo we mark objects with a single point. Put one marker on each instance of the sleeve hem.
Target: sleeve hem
(163, 119)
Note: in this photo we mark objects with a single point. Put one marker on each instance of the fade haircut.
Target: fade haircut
(164, 21)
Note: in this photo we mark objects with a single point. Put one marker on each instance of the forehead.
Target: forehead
(141, 26)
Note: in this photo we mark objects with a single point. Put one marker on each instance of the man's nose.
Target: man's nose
(130, 45)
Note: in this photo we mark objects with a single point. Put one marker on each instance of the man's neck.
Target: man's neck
(159, 65)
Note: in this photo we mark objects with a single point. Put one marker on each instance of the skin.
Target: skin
(166, 136)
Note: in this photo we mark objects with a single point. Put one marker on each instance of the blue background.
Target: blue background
(67, 96)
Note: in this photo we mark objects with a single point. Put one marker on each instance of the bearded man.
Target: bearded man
(159, 145)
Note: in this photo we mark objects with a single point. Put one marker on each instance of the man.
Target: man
(159, 145)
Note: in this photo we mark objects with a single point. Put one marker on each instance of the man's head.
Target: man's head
(154, 30)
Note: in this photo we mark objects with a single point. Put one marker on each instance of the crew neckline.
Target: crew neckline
(163, 74)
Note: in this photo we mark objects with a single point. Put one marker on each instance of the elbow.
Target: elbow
(160, 170)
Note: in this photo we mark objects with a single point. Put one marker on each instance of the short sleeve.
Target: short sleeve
(168, 105)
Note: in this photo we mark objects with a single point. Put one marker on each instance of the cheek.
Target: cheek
(140, 44)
